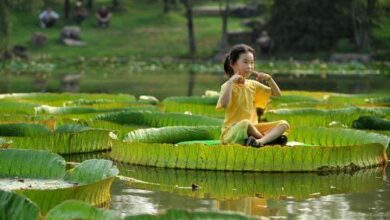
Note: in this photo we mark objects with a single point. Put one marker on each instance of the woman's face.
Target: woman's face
(245, 64)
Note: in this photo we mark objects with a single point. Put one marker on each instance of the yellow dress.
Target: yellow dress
(241, 111)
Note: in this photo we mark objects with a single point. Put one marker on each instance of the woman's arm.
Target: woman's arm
(275, 91)
(227, 91)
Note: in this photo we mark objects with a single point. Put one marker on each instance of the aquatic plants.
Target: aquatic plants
(153, 134)
(89, 181)
(331, 149)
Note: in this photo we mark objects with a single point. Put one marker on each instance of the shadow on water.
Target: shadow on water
(337, 195)
(78, 158)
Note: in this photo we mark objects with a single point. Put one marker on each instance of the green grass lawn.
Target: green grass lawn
(141, 30)
(141, 53)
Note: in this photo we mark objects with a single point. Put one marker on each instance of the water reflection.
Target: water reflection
(128, 201)
(280, 195)
(235, 185)
(360, 195)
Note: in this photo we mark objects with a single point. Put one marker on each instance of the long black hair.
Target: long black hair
(234, 55)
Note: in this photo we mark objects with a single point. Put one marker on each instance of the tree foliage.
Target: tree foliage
(5, 21)
(305, 25)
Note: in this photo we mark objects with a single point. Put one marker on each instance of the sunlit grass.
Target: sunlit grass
(141, 30)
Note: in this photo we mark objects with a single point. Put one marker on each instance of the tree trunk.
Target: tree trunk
(370, 9)
(90, 4)
(362, 16)
(4, 27)
(356, 26)
(191, 82)
(225, 14)
(116, 4)
(166, 6)
(66, 9)
(173, 4)
(190, 26)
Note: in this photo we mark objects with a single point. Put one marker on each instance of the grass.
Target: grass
(143, 52)
(141, 30)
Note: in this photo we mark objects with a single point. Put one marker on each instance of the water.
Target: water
(179, 83)
(364, 194)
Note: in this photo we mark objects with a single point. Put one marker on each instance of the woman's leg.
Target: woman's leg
(273, 134)
(252, 131)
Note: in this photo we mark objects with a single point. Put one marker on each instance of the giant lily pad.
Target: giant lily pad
(89, 181)
(15, 207)
(323, 117)
(66, 139)
(158, 119)
(331, 149)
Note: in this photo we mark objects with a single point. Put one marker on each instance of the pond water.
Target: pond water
(179, 84)
(359, 195)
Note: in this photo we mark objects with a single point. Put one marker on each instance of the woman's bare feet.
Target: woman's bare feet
(253, 142)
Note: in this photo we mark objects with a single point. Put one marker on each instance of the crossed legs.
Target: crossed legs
(268, 136)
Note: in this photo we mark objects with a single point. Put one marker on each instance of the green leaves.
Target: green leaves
(173, 134)
(68, 139)
(23, 129)
(158, 119)
(370, 122)
(76, 210)
(90, 180)
(31, 164)
(321, 117)
(91, 171)
(71, 128)
(332, 149)
(16, 207)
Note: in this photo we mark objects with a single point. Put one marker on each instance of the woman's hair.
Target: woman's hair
(234, 55)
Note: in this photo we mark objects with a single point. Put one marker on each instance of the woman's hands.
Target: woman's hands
(236, 78)
(260, 76)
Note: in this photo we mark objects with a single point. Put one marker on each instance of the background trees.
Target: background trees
(4, 26)
(305, 25)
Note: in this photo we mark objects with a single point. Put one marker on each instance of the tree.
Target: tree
(224, 14)
(4, 27)
(190, 26)
(116, 4)
(90, 4)
(168, 5)
(66, 9)
(363, 14)
(305, 25)
(5, 21)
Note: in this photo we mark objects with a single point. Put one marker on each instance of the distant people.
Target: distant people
(103, 16)
(265, 42)
(70, 36)
(80, 13)
(48, 17)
